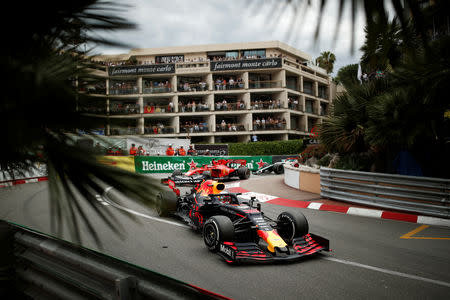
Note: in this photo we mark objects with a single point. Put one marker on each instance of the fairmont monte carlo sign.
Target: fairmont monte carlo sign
(142, 69)
(264, 63)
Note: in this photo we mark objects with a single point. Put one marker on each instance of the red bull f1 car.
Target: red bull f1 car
(236, 228)
(218, 169)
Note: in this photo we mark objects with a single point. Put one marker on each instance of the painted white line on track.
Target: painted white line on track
(386, 271)
(112, 203)
(365, 212)
(315, 205)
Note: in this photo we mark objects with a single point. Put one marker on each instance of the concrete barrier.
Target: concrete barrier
(303, 178)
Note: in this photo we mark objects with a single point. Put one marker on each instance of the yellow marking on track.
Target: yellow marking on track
(410, 235)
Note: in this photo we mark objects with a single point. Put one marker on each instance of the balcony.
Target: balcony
(261, 105)
(230, 127)
(157, 109)
(192, 107)
(223, 85)
(159, 129)
(124, 131)
(192, 87)
(194, 128)
(123, 109)
(233, 106)
(156, 86)
(276, 124)
(268, 84)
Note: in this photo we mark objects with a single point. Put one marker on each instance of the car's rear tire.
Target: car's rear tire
(207, 175)
(278, 168)
(177, 173)
(243, 173)
(217, 229)
(166, 203)
(292, 225)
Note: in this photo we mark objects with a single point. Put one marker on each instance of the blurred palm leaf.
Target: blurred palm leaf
(39, 109)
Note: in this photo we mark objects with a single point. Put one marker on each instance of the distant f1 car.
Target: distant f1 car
(277, 168)
(237, 229)
(218, 169)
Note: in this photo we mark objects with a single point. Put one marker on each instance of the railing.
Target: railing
(44, 267)
(156, 90)
(258, 105)
(220, 106)
(159, 129)
(227, 87)
(196, 128)
(192, 108)
(157, 109)
(269, 84)
(230, 127)
(193, 87)
(295, 106)
(123, 91)
(275, 125)
(124, 131)
(92, 110)
(425, 195)
(123, 109)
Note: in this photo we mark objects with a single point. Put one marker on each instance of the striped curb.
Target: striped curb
(22, 181)
(356, 211)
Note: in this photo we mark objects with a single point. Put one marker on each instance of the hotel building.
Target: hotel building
(211, 93)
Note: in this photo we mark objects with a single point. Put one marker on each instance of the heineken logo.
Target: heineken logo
(167, 166)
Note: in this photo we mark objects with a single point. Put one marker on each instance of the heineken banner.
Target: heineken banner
(167, 164)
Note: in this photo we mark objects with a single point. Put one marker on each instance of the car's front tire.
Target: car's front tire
(217, 229)
(292, 225)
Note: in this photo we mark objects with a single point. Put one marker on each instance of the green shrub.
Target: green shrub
(355, 162)
(266, 148)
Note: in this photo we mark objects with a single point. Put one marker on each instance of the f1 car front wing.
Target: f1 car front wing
(252, 253)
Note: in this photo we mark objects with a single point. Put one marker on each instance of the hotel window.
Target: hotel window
(261, 53)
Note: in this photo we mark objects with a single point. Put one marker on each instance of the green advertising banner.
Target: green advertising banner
(167, 164)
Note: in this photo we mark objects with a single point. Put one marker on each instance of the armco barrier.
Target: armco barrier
(48, 268)
(424, 195)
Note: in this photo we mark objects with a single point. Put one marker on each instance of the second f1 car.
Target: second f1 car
(237, 229)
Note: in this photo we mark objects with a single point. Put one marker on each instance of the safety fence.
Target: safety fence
(425, 195)
(43, 267)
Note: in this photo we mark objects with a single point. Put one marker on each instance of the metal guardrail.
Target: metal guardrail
(48, 268)
(425, 195)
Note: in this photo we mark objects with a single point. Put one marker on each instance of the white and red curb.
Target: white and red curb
(22, 181)
(356, 211)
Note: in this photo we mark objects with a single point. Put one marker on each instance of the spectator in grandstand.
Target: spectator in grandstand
(118, 152)
(170, 151)
(191, 151)
(133, 150)
(181, 151)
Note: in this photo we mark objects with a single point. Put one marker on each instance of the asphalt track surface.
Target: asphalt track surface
(370, 259)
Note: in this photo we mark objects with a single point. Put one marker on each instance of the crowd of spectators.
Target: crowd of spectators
(158, 128)
(151, 108)
(293, 103)
(269, 123)
(194, 127)
(267, 104)
(123, 108)
(123, 87)
(192, 106)
(221, 83)
(224, 105)
(227, 126)
(150, 86)
(184, 86)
